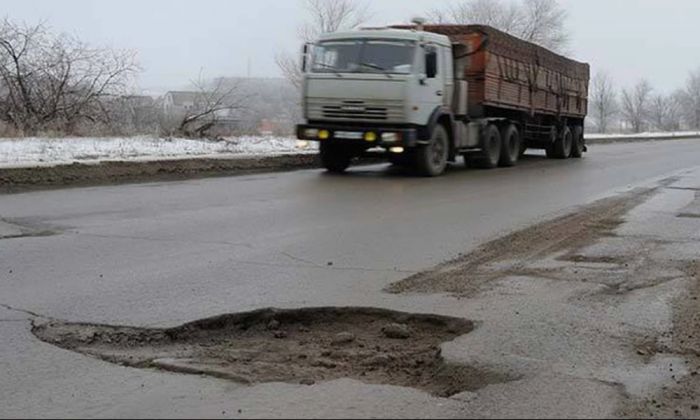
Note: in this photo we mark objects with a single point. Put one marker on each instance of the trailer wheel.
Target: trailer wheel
(490, 152)
(561, 149)
(431, 159)
(334, 158)
(579, 144)
(511, 148)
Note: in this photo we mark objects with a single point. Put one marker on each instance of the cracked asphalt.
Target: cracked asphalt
(163, 254)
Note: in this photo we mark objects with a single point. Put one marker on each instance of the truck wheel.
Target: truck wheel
(510, 150)
(579, 143)
(431, 159)
(334, 158)
(491, 148)
(561, 149)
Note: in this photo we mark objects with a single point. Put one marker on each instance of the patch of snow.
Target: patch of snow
(647, 135)
(35, 151)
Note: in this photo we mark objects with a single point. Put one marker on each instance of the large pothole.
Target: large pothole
(298, 346)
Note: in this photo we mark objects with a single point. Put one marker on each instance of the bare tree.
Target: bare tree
(332, 15)
(50, 81)
(665, 111)
(323, 16)
(290, 67)
(506, 17)
(212, 103)
(540, 21)
(635, 105)
(691, 100)
(603, 100)
(544, 23)
(674, 117)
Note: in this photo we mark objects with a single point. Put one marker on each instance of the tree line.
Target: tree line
(56, 83)
(543, 22)
(639, 108)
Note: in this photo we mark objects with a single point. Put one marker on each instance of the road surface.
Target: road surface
(163, 254)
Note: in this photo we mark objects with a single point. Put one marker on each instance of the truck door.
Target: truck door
(432, 85)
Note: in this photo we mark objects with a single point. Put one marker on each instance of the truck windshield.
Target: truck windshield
(364, 56)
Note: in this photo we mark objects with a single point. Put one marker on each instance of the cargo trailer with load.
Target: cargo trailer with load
(424, 95)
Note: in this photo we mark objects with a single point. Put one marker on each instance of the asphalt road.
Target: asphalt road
(162, 254)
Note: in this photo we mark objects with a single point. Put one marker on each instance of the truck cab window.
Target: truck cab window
(431, 62)
(364, 56)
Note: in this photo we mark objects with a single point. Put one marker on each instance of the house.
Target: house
(181, 102)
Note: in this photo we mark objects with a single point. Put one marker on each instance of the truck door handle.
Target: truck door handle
(438, 93)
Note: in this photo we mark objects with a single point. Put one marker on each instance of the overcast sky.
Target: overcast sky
(175, 39)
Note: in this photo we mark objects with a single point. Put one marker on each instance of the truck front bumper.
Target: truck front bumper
(369, 136)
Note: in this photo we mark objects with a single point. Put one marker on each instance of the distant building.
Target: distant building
(181, 102)
(178, 104)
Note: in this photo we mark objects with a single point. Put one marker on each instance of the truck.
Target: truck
(423, 95)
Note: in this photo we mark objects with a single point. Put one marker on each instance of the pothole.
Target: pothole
(302, 346)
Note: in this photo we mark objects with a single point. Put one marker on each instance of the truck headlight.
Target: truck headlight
(391, 137)
(324, 134)
(370, 136)
(311, 133)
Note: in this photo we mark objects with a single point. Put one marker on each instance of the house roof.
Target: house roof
(181, 97)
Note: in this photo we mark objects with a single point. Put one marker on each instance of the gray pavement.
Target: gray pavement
(168, 253)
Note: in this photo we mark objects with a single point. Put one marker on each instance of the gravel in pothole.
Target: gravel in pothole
(304, 346)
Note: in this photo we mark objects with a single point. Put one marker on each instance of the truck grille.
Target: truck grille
(350, 110)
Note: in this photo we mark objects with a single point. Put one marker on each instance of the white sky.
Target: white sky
(175, 39)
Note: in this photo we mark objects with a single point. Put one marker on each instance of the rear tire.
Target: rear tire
(511, 146)
(431, 159)
(561, 149)
(490, 152)
(579, 143)
(334, 158)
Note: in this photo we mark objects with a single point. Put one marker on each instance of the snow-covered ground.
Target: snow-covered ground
(32, 151)
(594, 136)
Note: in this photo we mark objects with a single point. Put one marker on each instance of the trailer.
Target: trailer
(426, 94)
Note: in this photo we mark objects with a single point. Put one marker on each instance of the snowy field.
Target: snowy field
(21, 152)
(681, 134)
(32, 151)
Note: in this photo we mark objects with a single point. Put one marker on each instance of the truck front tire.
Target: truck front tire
(431, 159)
(334, 158)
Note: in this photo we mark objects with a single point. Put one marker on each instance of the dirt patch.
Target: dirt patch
(77, 174)
(13, 180)
(513, 254)
(12, 230)
(682, 399)
(297, 346)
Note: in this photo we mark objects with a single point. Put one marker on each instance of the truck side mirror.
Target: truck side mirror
(305, 57)
(431, 64)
